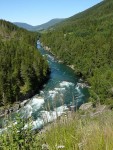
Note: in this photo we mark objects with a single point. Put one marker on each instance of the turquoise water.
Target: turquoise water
(63, 83)
(62, 91)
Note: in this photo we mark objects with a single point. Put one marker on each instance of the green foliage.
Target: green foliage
(18, 137)
(86, 42)
(22, 68)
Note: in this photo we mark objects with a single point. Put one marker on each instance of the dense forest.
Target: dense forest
(22, 68)
(85, 41)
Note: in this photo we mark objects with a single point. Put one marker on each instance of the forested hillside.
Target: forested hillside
(85, 41)
(22, 68)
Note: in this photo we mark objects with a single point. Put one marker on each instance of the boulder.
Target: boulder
(22, 104)
(99, 110)
(7, 112)
(16, 107)
(45, 146)
(2, 112)
(72, 108)
(86, 106)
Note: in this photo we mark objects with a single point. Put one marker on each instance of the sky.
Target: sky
(36, 12)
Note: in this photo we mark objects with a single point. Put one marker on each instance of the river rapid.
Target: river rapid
(63, 91)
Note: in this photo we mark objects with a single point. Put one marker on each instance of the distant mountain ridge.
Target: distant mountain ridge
(24, 25)
(43, 26)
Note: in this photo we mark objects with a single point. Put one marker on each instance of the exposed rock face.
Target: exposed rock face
(86, 106)
(71, 108)
(88, 109)
(24, 102)
(99, 110)
(47, 48)
(72, 67)
(2, 112)
(14, 108)
(5, 111)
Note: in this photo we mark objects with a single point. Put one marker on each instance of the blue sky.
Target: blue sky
(36, 12)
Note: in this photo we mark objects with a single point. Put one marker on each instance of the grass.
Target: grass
(76, 133)
(73, 131)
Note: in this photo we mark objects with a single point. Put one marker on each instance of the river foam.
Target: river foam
(49, 116)
(66, 84)
(33, 105)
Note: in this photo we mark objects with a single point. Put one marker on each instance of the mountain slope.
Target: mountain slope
(22, 68)
(48, 24)
(39, 27)
(23, 25)
(85, 41)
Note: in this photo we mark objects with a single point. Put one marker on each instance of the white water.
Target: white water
(38, 103)
(60, 91)
(49, 116)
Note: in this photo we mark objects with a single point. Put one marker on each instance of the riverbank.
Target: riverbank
(9, 108)
(83, 81)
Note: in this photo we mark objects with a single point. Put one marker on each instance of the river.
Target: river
(62, 91)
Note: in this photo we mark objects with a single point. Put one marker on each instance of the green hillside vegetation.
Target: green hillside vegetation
(22, 68)
(85, 41)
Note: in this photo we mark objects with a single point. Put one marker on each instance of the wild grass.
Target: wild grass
(81, 133)
(73, 131)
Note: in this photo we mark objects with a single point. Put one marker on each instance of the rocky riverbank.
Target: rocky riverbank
(24, 99)
(12, 108)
